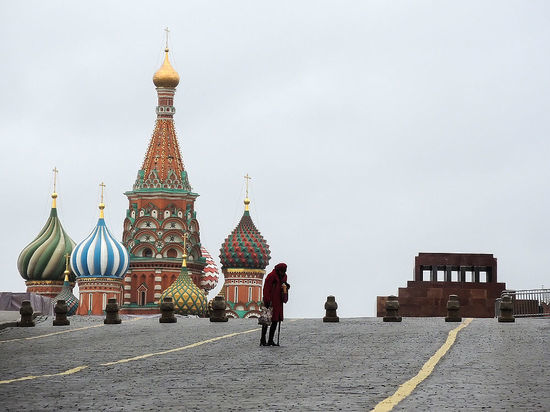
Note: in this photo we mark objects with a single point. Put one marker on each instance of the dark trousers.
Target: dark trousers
(272, 330)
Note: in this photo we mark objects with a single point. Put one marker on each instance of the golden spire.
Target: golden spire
(166, 76)
(66, 267)
(101, 205)
(184, 260)
(246, 199)
(54, 194)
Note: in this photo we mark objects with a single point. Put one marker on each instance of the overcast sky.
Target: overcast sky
(372, 130)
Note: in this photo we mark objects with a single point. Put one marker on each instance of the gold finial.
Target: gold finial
(166, 76)
(166, 49)
(54, 194)
(184, 260)
(101, 205)
(246, 200)
(66, 267)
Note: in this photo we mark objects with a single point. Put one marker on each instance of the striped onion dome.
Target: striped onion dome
(187, 297)
(245, 247)
(44, 257)
(100, 254)
(209, 279)
(66, 294)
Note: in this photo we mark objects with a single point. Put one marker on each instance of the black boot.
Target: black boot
(262, 340)
(272, 330)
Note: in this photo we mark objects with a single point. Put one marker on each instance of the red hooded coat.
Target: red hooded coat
(273, 291)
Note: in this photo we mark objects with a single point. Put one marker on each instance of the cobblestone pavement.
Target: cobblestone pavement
(351, 365)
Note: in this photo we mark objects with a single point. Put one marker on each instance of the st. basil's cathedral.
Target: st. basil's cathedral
(160, 254)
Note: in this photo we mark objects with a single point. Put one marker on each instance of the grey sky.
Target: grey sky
(372, 130)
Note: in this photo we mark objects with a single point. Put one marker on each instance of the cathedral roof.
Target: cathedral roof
(100, 254)
(166, 76)
(245, 246)
(66, 293)
(162, 167)
(43, 258)
(187, 297)
(209, 280)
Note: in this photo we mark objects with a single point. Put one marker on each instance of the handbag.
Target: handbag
(265, 316)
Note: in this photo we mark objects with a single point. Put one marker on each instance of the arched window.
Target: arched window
(172, 253)
(250, 293)
(142, 298)
(147, 252)
(236, 293)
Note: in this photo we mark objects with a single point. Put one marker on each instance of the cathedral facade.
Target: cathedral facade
(161, 212)
(161, 254)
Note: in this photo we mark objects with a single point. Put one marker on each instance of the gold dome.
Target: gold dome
(166, 76)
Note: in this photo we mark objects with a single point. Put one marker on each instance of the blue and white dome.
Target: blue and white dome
(100, 254)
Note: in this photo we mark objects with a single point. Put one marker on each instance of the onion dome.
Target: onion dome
(209, 279)
(245, 247)
(66, 293)
(43, 258)
(166, 76)
(100, 254)
(187, 297)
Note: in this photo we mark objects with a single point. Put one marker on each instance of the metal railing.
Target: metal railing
(528, 302)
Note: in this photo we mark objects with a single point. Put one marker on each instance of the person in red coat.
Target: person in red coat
(275, 294)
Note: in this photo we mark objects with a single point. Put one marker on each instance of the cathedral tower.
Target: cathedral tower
(244, 256)
(42, 262)
(161, 211)
(99, 262)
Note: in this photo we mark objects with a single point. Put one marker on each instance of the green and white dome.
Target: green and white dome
(44, 257)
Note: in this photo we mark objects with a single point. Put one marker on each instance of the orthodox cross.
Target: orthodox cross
(66, 261)
(102, 187)
(247, 179)
(55, 172)
(167, 31)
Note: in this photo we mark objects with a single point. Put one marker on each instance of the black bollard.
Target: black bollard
(26, 312)
(61, 310)
(218, 310)
(167, 311)
(506, 309)
(111, 312)
(330, 308)
(453, 308)
(392, 310)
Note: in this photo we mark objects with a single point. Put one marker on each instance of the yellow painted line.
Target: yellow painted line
(28, 378)
(406, 389)
(63, 331)
(193, 345)
(148, 355)
(51, 334)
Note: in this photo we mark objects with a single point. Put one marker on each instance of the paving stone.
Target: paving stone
(351, 365)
